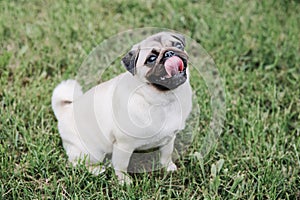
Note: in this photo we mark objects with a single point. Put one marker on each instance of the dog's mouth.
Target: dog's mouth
(169, 74)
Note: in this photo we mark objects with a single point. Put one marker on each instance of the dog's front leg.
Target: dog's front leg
(120, 160)
(166, 155)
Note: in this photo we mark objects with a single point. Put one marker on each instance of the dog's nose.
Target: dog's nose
(169, 54)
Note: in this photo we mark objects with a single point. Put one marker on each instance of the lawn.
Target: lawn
(256, 47)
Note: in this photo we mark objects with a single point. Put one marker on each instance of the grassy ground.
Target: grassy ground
(256, 47)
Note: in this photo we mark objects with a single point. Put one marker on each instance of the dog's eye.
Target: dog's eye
(151, 59)
(179, 46)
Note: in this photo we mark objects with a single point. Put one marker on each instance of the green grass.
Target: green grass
(256, 48)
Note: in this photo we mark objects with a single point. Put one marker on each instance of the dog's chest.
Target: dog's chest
(156, 123)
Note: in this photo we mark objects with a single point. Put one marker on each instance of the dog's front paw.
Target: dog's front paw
(171, 167)
(96, 170)
(123, 178)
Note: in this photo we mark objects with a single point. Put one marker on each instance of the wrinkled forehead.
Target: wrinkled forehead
(157, 42)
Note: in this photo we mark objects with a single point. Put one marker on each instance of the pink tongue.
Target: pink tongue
(173, 66)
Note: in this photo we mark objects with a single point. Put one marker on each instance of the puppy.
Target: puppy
(140, 109)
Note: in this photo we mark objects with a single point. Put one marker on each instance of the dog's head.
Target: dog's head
(159, 60)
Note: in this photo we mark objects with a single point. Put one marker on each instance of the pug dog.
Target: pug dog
(140, 109)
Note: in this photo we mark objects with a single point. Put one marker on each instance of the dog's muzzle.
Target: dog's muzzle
(170, 71)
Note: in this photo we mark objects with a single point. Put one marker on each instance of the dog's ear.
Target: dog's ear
(179, 37)
(129, 61)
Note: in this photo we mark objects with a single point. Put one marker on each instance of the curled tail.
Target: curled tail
(64, 95)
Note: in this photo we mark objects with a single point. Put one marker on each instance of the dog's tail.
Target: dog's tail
(63, 96)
